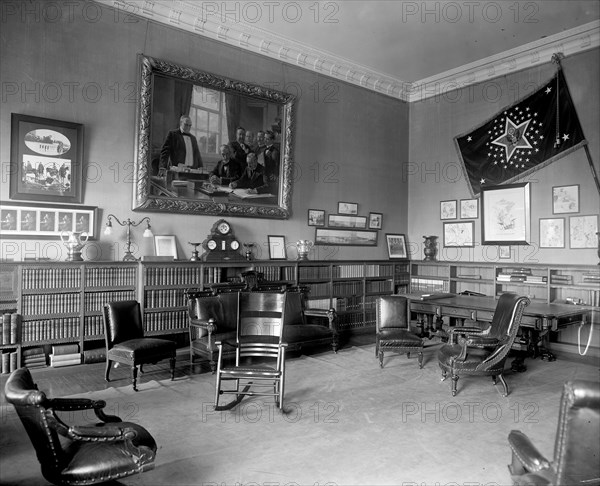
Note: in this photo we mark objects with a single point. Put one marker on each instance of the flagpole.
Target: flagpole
(593, 169)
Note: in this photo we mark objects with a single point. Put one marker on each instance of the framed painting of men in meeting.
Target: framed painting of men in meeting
(396, 245)
(316, 217)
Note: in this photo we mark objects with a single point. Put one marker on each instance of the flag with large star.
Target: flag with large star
(522, 138)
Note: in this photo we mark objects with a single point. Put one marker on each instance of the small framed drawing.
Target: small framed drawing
(504, 252)
(448, 209)
(165, 245)
(277, 247)
(582, 231)
(469, 208)
(396, 245)
(375, 220)
(347, 208)
(565, 199)
(552, 232)
(316, 217)
(459, 234)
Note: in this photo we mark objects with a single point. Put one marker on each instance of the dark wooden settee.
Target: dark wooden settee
(213, 317)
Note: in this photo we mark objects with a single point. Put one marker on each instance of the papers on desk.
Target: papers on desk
(244, 194)
(215, 190)
(441, 295)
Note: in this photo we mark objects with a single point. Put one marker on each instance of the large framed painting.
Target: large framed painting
(505, 215)
(46, 158)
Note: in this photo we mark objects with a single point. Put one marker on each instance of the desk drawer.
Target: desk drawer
(475, 315)
(422, 307)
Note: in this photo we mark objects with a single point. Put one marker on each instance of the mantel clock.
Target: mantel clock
(221, 244)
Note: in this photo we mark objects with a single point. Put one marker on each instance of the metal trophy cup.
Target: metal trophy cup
(304, 247)
(74, 242)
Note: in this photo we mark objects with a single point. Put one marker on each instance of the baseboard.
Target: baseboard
(571, 353)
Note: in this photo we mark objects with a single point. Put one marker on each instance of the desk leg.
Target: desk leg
(543, 339)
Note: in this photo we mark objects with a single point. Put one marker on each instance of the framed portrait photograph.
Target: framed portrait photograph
(448, 209)
(277, 247)
(552, 232)
(347, 208)
(46, 221)
(344, 221)
(316, 217)
(504, 252)
(505, 215)
(47, 156)
(345, 237)
(459, 234)
(375, 220)
(165, 245)
(582, 231)
(565, 199)
(469, 208)
(396, 246)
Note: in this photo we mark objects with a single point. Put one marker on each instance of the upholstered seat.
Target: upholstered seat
(125, 341)
(78, 454)
(393, 328)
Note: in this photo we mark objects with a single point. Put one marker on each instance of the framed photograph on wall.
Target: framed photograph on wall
(396, 246)
(347, 208)
(582, 231)
(345, 237)
(165, 245)
(552, 232)
(504, 252)
(45, 221)
(375, 220)
(565, 199)
(459, 234)
(316, 217)
(505, 215)
(448, 209)
(469, 208)
(277, 247)
(48, 157)
(344, 221)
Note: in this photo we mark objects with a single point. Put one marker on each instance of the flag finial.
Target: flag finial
(556, 58)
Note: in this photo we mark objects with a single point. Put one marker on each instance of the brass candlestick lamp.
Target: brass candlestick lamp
(129, 223)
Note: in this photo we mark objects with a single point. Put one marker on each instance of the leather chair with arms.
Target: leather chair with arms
(484, 353)
(259, 335)
(393, 328)
(576, 447)
(78, 454)
(125, 341)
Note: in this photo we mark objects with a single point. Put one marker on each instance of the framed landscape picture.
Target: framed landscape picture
(345, 237)
(344, 221)
(47, 156)
(347, 208)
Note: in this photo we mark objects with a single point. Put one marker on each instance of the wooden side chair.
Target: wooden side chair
(78, 454)
(125, 341)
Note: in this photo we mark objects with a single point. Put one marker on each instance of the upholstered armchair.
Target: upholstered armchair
(478, 352)
(125, 341)
(393, 328)
(78, 454)
(576, 448)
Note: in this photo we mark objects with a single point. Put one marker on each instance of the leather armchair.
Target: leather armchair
(78, 454)
(393, 328)
(576, 448)
(125, 341)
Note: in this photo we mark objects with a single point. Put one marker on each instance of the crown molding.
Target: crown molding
(193, 17)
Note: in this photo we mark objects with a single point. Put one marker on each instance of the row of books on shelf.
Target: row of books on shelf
(348, 271)
(319, 289)
(165, 298)
(349, 303)
(370, 302)
(376, 270)
(93, 326)
(379, 286)
(352, 287)
(350, 321)
(176, 275)
(95, 301)
(51, 278)
(313, 273)
(211, 275)
(274, 273)
(165, 321)
(11, 327)
(521, 278)
(48, 329)
(50, 304)
(431, 285)
(110, 276)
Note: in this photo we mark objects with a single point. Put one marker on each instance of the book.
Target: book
(32, 351)
(15, 325)
(65, 349)
(64, 357)
(5, 339)
(69, 362)
(97, 355)
(5, 363)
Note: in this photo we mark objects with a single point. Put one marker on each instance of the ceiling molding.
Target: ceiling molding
(193, 17)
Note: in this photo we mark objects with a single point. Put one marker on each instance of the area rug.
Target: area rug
(347, 422)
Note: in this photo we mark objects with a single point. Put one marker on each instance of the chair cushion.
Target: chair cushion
(92, 460)
(142, 350)
(393, 337)
(308, 332)
(449, 352)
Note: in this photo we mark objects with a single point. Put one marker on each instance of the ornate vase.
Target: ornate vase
(74, 241)
(304, 247)
(430, 248)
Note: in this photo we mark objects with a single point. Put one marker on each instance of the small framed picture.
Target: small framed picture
(459, 234)
(375, 220)
(277, 247)
(469, 208)
(316, 217)
(448, 209)
(345, 221)
(165, 245)
(396, 245)
(552, 232)
(347, 208)
(582, 231)
(504, 252)
(565, 199)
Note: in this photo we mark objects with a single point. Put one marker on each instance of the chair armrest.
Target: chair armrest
(463, 330)
(210, 325)
(73, 404)
(104, 432)
(329, 314)
(226, 342)
(525, 456)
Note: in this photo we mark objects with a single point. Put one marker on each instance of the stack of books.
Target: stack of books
(591, 277)
(561, 279)
(65, 355)
(34, 357)
(514, 275)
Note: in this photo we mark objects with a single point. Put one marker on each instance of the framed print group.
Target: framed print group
(505, 215)
(582, 231)
(47, 156)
